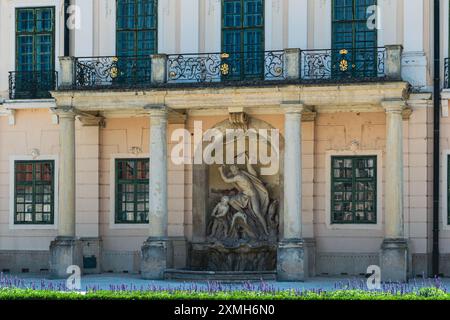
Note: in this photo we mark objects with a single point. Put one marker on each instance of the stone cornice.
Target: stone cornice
(365, 97)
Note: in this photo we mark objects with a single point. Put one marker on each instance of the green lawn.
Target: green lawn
(28, 294)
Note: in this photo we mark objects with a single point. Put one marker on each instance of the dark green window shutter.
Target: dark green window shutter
(243, 38)
(352, 39)
(136, 38)
(35, 52)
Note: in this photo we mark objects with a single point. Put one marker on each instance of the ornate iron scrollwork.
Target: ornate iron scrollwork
(124, 71)
(343, 64)
(216, 67)
(32, 84)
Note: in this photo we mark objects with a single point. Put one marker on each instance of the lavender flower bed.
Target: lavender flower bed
(13, 287)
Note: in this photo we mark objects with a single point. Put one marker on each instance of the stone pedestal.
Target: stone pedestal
(292, 260)
(92, 254)
(154, 259)
(64, 252)
(394, 260)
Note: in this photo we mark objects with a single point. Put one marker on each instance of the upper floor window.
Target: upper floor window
(136, 27)
(354, 41)
(136, 39)
(35, 51)
(243, 37)
(34, 192)
(353, 189)
(132, 190)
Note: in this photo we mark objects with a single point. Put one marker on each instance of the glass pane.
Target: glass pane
(25, 20)
(44, 20)
(253, 10)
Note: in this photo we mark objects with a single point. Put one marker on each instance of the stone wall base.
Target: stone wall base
(154, 258)
(24, 261)
(394, 260)
(64, 252)
(345, 264)
(91, 249)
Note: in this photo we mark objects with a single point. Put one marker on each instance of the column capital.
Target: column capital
(65, 112)
(293, 107)
(393, 106)
(157, 111)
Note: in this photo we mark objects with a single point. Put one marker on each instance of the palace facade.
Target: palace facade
(91, 93)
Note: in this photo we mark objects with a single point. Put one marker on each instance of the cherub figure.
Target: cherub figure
(219, 214)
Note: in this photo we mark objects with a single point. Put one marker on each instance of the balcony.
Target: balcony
(225, 67)
(32, 84)
(113, 72)
(354, 65)
(290, 66)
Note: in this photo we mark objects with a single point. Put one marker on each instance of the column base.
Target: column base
(394, 260)
(64, 252)
(292, 260)
(154, 259)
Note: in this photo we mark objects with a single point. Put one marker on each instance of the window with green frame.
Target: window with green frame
(136, 38)
(243, 38)
(34, 192)
(352, 36)
(132, 191)
(35, 50)
(354, 189)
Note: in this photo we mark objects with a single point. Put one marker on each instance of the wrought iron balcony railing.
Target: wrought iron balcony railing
(446, 73)
(221, 67)
(32, 84)
(122, 72)
(239, 68)
(362, 64)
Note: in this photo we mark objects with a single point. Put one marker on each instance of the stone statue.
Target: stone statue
(253, 196)
(240, 225)
(219, 225)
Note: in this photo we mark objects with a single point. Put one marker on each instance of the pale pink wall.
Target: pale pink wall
(118, 137)
(95, 146)
(33, 130)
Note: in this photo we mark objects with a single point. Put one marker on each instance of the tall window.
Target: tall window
(132, 190)
(353, 189)
(243, 37)
(136, 38)
(35, 51)
(34, 192)
(354, 41)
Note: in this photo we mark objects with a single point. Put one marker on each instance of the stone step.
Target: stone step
(226, 276)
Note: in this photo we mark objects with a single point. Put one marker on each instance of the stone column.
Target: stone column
(65, 250)
(292, 258)
(394, 250)
(154, 250)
